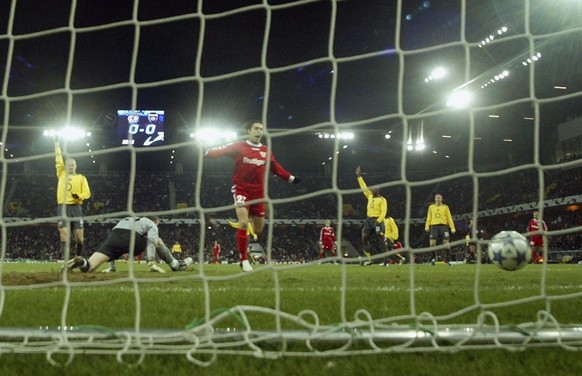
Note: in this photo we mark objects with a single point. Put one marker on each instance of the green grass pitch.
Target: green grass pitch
(37, 296)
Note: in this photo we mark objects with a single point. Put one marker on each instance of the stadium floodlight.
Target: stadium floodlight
(409, 146)
(213, 136)
(346, 135)
(459, 99)
(436, 74)
(67, 133)
(340, 135)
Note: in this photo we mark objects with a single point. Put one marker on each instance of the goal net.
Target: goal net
(473, 100)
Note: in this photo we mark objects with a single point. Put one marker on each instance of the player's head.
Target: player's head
(375, 191)
(71, 166)
(155, 219)
(254, 130)
(153, 117)
(438, 199)
(327, 223)
(536, 214)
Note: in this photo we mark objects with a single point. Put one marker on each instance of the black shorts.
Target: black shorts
(371, 226)
(439, 232)
(71, 211)
(118, 243)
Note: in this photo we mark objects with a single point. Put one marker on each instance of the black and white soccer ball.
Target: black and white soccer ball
(509, 250)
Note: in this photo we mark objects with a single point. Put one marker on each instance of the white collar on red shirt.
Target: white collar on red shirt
(253, 144)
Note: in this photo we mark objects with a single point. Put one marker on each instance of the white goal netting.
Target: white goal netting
(475, 100)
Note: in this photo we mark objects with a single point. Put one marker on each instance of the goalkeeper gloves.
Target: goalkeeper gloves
(296, 180)
(75, 196)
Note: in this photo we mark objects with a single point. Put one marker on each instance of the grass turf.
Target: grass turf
(37, 296)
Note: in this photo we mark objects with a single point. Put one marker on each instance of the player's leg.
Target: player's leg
(447, 252)
(79, 238)
(165, 254)
(380, 240)
(63, 227)
(112, 267)
(432, 242)
(256, 224)
(87, 265)
(242, 239)
(535, 254)
(95, 261)
(366, 246)
(446, 235)
(389, 246)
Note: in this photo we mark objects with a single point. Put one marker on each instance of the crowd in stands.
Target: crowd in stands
(117, 194)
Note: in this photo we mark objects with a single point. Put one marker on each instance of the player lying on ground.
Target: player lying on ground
(118, 242)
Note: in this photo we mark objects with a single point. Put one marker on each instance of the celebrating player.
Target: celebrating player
(327, 243)
(438, 223)
(250, 159)
(377, 210)
(536, 240)
(72, 190)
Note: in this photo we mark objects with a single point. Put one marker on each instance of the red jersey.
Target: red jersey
(250, 162)
(216, 250)
(327, 237)
(537, 225)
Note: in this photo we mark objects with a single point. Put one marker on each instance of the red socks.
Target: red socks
(242, 241)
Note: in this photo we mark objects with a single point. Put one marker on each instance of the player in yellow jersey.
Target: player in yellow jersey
(391, 234)
(439, 224)
(376, 211)
(72, 190)
(250, 230)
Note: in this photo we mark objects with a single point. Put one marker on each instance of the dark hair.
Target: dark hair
(249, 124)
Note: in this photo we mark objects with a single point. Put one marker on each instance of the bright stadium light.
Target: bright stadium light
(437, 73)
(213, 136)
(459, 99)
(339, 135)
(67, 133)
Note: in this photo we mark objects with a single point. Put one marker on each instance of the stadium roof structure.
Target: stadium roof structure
(521, 69)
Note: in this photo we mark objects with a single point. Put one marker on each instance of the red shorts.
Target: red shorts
(241, 196)
(327, 247)
(537, 241)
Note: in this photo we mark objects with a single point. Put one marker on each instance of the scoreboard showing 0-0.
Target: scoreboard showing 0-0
(140, 127)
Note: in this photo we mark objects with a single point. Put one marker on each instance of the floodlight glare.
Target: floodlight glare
(67, 133)
(346, 135)
(459, 99)
(213, 135)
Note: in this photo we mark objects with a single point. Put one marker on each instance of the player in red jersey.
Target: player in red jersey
(326, 241)
(248, 182)
(216, 252)
(536, 240)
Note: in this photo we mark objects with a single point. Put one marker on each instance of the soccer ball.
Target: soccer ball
(509, 250)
